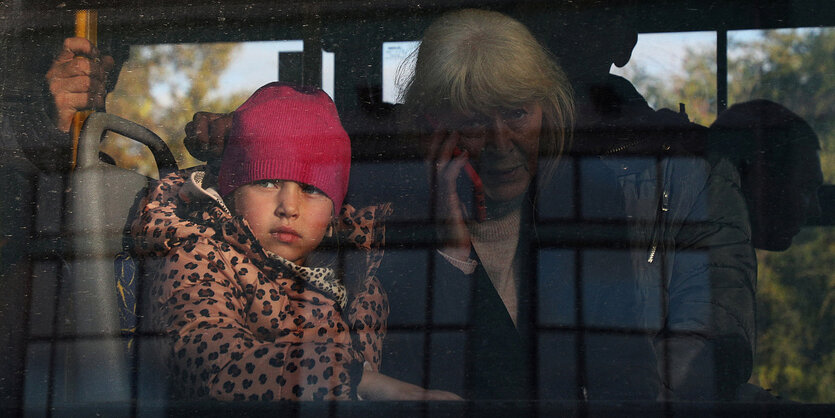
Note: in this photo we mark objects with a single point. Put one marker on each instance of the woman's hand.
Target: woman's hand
(443, 170)
(77, 80)
(379, 387)
(206, 135)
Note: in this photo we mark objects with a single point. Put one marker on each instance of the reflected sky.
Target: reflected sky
(254, 64)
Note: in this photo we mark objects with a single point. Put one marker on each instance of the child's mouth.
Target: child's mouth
(286, 235)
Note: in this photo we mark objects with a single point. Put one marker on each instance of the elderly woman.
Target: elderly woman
(514, 313)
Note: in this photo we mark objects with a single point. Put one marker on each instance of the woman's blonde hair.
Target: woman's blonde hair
(476, 61)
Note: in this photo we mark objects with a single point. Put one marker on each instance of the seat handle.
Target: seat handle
(99, 123)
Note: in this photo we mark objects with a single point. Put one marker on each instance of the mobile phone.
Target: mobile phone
(478, 204)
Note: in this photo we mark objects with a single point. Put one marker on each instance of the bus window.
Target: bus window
(394, 55)
(161, 86)
(576, 261)
(665, 70)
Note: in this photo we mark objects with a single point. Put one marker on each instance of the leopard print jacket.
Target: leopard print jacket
(244, 327)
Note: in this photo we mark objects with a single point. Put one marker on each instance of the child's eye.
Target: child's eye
(306, 188)
(268, 184)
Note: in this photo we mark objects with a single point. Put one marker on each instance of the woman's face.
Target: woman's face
(288, 218)
(503, 147)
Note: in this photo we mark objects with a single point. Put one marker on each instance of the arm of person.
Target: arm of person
(377, 386)
(206, 134)
(77, 80)
(443, 168)
(712, 294)
(363, 231)
(368, 311)
(36, 123)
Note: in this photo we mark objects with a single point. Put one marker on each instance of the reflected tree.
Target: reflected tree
(796, 293)
(161, 87)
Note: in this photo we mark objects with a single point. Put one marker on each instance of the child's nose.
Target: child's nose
(288, 200)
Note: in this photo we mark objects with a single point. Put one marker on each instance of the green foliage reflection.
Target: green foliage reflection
(796, 290)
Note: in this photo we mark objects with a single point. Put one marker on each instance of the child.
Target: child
(250, 313)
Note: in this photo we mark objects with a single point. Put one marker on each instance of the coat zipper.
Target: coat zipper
(664, 201)
(663, 207)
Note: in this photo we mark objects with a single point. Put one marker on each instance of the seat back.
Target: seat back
(97, 309)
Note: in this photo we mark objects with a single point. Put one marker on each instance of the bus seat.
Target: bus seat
(99, 205)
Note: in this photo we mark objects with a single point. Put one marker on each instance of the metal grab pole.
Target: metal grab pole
(86, 26)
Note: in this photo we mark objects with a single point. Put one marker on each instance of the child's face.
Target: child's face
(288, 218)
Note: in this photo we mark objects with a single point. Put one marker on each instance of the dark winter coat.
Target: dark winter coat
(691, 241)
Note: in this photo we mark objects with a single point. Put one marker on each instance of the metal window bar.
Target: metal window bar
(721, 71)
(28, 302)
(581, 378)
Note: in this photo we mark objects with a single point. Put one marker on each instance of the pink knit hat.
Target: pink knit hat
(289, 133)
